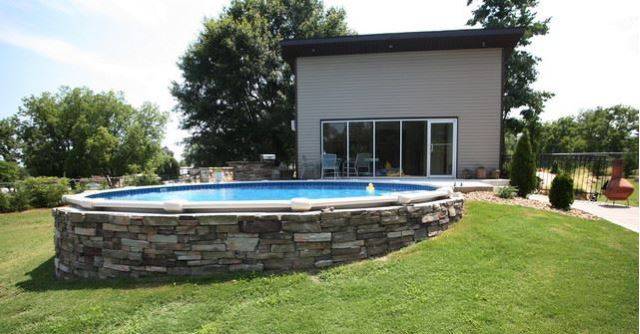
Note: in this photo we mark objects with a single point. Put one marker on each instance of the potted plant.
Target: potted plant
(481, 173)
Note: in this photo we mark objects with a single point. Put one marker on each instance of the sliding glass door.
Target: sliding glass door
(403, 147)
(441, 148)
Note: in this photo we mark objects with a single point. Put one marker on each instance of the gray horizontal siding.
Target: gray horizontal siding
(456, 83)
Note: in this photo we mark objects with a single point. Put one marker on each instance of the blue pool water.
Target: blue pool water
(258, 191)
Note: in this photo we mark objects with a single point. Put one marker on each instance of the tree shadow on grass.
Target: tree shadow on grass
(42, 279)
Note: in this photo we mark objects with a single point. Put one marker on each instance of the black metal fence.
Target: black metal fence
(589, 171)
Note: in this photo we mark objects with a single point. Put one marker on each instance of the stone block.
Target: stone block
(117, 267)
(115, 253)
(119, 220)
(429, 218)
(219, 220)
(370, 228)
(242, 244)
(260, 226)
(323, 263)
(85, 231)
(312, 237)
(162, 238)
(344, 236)
(301, 226)
(217, 247)
(348, 244)
(134, 242)
(282, 248)
(160, 221)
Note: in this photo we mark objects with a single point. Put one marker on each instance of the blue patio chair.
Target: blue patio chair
(330, 163)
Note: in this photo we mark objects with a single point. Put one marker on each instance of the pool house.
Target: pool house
(419, 104)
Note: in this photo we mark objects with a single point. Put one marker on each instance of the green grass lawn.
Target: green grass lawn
(501, 269)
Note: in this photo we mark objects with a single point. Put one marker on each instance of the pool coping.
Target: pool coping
(83, 200)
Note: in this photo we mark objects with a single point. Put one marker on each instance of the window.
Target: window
(387, 159)
(411, 147)
(334, 140)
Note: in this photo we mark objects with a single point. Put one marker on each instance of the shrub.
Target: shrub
(523, 168)
(43, 192)
(146, 179)
(19, 200)
(5, 202)
(506, 192)
(561, 192)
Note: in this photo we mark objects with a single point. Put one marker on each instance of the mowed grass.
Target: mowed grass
(501, 269)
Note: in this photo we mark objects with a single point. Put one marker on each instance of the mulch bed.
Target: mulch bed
(488, 196)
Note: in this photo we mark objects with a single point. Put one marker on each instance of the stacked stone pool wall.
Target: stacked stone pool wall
(97, 244)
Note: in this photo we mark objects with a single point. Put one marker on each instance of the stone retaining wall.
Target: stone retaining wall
(253, 170)
(94, 244)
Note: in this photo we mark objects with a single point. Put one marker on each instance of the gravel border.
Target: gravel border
(488, 196)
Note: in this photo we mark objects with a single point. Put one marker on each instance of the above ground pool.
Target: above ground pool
(257, 196)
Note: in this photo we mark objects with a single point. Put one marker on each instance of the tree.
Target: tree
(78, 133)
(10, 172)
(523, 167)
(611, 129)
(9, 142)
(237, 94)
(520, 67)
(168, 168)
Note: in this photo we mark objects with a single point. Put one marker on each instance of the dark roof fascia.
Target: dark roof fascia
(402, 42)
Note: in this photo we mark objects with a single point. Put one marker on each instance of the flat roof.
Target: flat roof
(401, 42)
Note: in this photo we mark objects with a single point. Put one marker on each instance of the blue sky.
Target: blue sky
(590, 58)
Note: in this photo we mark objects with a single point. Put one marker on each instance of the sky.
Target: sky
(590, 57)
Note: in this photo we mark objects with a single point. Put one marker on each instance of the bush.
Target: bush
(146, 179)
(5, 202)
(523, 168)
(506, 192)
(43, 192)
(561, 192)
(19, 200)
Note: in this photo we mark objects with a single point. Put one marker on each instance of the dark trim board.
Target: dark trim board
(401, 42)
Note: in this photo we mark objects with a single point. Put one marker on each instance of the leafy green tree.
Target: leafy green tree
(168, 168)
(9, 141)
(237, 94)
(561, 136)
(523, 167)
(10, 171)
(77, 133)
(613, 129)
(521, 70)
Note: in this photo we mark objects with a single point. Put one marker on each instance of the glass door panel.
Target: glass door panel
(387, 138)
(360, 149)
(334, 142)
(441, 148)
(414, 148)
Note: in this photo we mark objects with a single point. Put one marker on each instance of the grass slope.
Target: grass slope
(502, 269)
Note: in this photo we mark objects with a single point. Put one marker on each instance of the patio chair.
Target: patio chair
(330, 163)
(363, 164)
